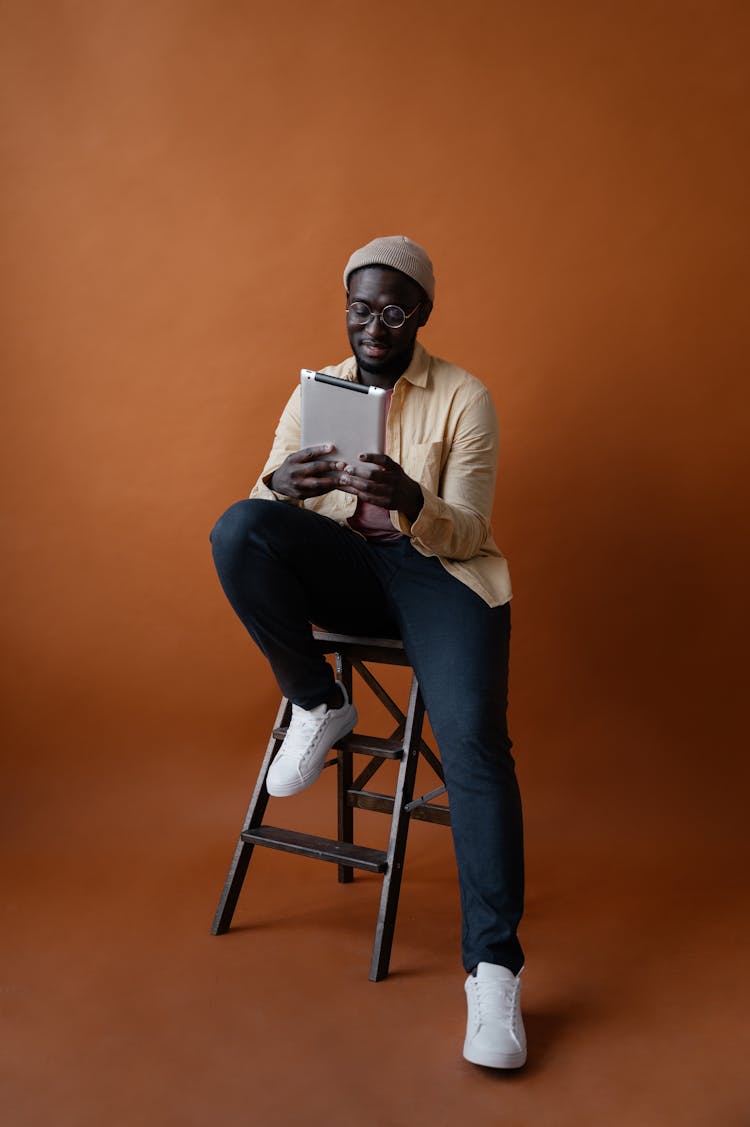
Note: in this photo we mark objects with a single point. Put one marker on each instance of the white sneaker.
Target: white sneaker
(495, 1036)
(310, 736)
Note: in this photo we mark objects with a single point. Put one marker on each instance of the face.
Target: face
(383, 354)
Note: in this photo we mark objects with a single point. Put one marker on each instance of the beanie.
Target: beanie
(399, 253)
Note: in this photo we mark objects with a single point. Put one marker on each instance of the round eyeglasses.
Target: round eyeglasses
(393, 316)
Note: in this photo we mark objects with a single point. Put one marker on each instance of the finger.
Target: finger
(366, 472)
(378, 459)
(317, 468)
(346, 487)
(367, 491)
(314, 486)
(319, 484)
(311, 452)
(357, 481)
(376, 499)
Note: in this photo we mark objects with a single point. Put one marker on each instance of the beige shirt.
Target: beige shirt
(442, 430)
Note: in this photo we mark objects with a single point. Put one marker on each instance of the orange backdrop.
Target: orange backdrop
(182, 183)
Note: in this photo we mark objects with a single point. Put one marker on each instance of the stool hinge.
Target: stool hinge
(425, 799)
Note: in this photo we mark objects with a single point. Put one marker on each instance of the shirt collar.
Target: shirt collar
(419, 369)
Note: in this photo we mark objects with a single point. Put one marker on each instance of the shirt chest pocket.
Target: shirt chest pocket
(422, 461)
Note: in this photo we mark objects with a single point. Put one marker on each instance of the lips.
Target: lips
(370, 348)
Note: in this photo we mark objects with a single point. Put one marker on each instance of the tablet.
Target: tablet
(349, 415)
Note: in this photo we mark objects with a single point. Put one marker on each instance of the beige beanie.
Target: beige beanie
(399, 253)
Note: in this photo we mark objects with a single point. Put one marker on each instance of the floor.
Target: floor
(120, 1008)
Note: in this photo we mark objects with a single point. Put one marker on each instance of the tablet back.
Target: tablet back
(349, 415)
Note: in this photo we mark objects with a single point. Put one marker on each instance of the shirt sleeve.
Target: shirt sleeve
(286, 441)
(454, 521)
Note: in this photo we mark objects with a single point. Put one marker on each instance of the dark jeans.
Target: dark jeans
(284, 567)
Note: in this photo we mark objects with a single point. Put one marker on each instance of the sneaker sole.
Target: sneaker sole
(285, 790)
(495, 1060)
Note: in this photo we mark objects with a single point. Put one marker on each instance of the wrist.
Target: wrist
(275, 481)
(414, 502)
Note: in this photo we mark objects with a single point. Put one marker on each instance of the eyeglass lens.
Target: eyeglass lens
(392, 316)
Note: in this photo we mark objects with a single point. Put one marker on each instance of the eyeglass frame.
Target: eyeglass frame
(380, 315)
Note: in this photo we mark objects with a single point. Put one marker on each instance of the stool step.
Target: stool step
(363, 745)
(320, 848)
(383, 804)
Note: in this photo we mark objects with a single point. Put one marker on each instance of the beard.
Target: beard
(393, 364)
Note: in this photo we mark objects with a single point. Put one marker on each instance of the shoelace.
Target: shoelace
(308, 727)
(497, 1002)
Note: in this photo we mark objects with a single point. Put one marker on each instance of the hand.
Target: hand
(307, 473)
(381, 481)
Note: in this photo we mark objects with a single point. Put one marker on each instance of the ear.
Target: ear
(424, 314)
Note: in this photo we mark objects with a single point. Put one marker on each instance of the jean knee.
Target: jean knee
(236, 524)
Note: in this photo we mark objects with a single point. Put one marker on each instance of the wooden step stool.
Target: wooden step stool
(405, 745)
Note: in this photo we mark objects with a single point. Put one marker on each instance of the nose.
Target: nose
(375, 326)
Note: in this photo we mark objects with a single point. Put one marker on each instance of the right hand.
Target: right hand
(307, 473)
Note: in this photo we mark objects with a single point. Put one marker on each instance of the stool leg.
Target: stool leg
(253, 818)
(344, 775)
(381, 953)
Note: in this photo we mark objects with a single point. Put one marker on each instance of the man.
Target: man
(400, 544)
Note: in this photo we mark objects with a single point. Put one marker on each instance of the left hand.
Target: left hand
(376, 478)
